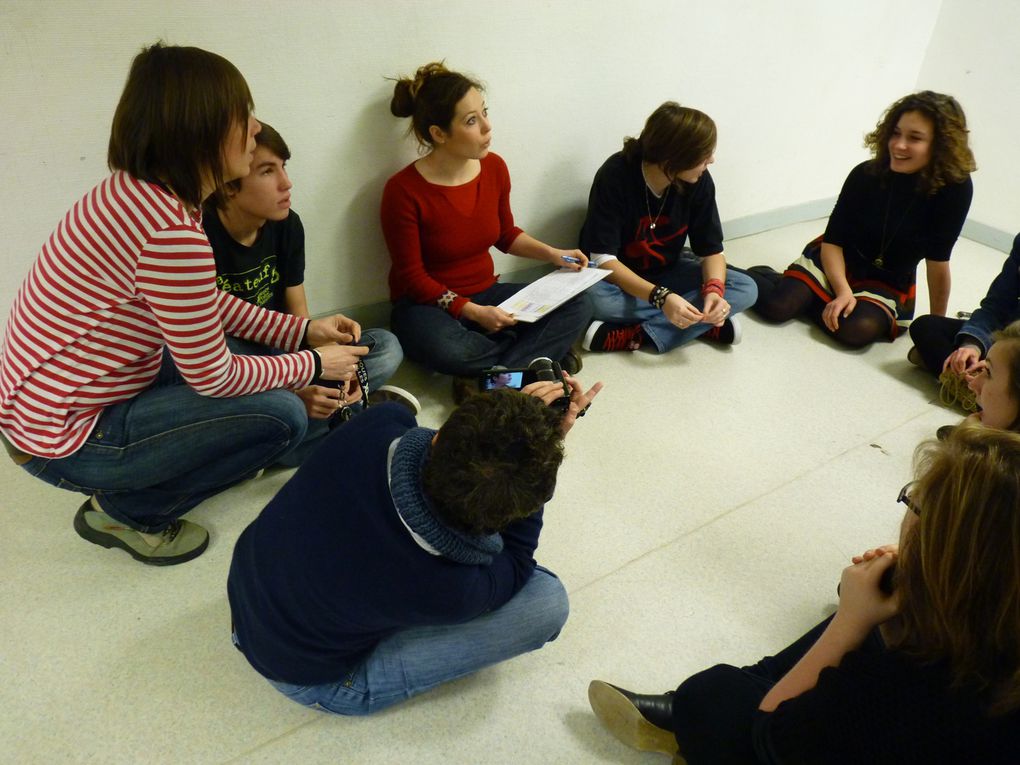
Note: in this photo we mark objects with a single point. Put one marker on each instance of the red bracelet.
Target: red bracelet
(713, 285)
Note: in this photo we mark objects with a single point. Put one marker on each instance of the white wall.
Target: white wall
(973, 55)
(793, 86)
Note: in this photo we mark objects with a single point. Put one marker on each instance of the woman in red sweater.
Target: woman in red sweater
(440, 216)
(115, 377)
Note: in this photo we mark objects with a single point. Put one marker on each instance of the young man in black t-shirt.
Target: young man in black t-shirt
(259, 246)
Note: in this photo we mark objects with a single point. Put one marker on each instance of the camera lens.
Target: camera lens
(544, 368)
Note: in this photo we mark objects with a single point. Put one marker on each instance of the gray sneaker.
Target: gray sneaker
(180, 542)
(397, 395)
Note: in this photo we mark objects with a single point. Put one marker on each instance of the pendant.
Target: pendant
(879, 262)
(651, 226)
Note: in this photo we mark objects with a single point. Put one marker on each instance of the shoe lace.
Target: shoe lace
(954, 391)
(170, 533)
(621, 338)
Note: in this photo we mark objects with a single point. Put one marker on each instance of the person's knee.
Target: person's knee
(775, 310)
(384, 358)
(548, 607)
(288, 410)
(741, 291)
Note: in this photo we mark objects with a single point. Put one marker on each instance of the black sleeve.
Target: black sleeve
(948, 213)
(607, 210)
(293, 256)
(705, 230)
(840, 228)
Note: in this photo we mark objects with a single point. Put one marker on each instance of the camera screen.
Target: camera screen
(503, 379)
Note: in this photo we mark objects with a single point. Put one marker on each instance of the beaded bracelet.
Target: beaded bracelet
(659, 295)
(713, 285)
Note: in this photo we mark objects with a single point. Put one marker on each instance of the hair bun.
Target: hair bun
(406, 89)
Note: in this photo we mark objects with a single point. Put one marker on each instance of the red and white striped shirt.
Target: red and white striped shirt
(128, 270)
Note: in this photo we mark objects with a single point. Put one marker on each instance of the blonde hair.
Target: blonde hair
(958, 573)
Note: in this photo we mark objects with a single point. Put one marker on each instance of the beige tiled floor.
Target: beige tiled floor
(703, 513)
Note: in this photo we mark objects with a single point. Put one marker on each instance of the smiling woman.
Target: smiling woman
(858, 280)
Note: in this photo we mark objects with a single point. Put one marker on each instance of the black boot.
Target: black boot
(642, 721)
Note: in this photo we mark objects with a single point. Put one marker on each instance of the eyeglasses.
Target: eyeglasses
(904, 497)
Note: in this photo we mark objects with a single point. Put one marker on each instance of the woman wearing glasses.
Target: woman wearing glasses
(919, 667)
(907, 204)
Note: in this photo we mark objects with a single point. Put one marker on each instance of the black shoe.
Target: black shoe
(944, 432)
(571, 363)
(641, 721)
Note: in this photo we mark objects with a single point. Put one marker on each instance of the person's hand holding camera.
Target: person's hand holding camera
(549, 391)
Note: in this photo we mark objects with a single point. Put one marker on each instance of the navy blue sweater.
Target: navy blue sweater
(328, 569)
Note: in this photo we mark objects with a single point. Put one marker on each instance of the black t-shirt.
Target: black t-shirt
(259, 274)
(621, 210)
(882, 220)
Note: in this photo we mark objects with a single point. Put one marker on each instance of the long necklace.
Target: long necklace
(885, 243)
(648, 207)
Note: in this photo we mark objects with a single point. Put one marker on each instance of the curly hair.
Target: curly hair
(951, 158)
(675, 137)
(494, 461)
(958, 571)
(430, 98)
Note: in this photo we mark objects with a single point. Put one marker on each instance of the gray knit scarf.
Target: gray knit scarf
(409, 458)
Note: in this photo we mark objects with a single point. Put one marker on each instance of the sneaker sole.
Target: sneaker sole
(110, 541)
(590, 334)
(403, 394)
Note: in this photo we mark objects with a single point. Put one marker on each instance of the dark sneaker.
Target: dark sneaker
(396, 395)
(955, 392)
(730, 333)
(914, 357)
(464, 388)
(179, 542)
(603, 336)
(944, 432)
(571, 363)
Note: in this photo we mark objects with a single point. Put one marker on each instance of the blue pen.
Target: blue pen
(572, 259)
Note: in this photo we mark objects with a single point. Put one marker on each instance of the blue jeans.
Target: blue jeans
(415, 660)
(381, 362)
(435, 339)
(610, 303)
(154, 457)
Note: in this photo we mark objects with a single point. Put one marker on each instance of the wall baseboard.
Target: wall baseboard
(990, 236)
(782, 216)
(378, 314)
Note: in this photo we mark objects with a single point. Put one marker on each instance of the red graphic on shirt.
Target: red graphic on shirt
(641, 251)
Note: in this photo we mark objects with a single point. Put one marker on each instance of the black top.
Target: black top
(882, 707)
(884, 224)
(259, 274)
(328, 568)
(621, 210)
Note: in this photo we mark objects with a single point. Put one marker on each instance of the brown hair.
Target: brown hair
(267, 137)
(675, 137)
(179, 107)
(430, 98)
(958, 571)
(952, 161)
(494, 461)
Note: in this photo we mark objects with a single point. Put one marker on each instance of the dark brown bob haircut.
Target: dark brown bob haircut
(268, 138)
(951, 158)
(494, 461)
(675, 137)
(430, 98)
(178, 109)
(958, 570)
